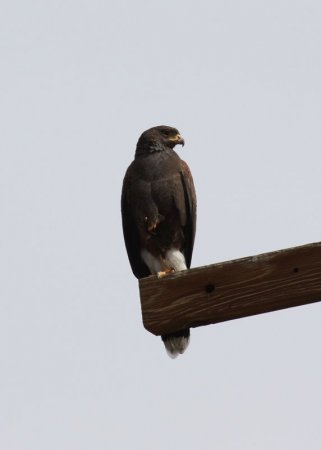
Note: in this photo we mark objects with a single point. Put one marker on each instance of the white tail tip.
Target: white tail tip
(176, 345)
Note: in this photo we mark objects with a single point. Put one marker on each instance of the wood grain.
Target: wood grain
(231, 290)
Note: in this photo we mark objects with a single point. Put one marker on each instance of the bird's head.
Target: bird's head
(157, 139)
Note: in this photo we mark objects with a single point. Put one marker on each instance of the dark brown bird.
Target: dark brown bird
(159, 213)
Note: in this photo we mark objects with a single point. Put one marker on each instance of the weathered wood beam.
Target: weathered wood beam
(232, 289)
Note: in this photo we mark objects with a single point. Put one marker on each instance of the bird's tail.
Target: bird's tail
(176, 343)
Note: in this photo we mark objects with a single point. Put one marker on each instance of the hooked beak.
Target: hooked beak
(178, 140)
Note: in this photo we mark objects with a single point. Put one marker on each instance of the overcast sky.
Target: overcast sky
(79, 82)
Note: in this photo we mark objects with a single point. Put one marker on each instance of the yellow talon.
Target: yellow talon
(163, 273)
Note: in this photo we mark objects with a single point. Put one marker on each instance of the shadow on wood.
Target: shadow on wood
(232, 289)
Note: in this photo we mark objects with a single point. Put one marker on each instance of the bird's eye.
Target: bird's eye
(165, 132)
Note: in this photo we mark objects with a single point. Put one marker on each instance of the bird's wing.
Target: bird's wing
(190, 211)
(130, 230)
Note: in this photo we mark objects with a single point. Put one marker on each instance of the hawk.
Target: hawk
(158, 207)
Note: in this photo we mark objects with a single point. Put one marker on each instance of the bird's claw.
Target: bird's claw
(163, 273)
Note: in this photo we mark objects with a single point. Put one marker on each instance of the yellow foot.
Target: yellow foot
(164, 273)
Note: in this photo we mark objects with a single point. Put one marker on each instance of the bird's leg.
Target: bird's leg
(167, 270)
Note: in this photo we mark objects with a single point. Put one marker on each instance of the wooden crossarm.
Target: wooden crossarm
(231, 290)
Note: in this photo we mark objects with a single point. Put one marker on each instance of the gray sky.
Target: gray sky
(79, 82)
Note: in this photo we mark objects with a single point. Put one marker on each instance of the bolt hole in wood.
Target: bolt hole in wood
(209, 288)
(296, 270)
